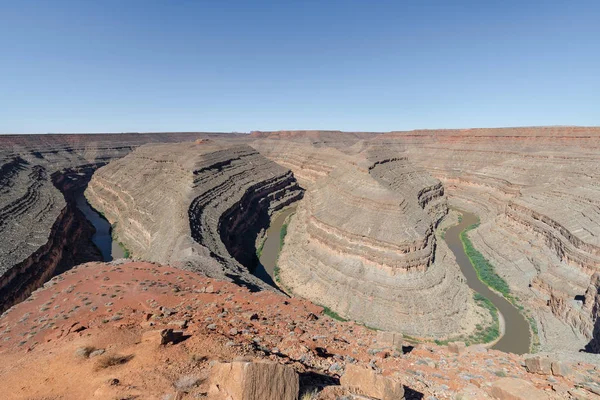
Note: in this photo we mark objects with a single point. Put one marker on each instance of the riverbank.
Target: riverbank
(482, 279)
(102, 238)
(270, 246)
(487, 274)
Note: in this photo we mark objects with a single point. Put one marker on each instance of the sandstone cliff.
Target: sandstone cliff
(41, 230)
(195, 206)
(362, 242)
(536, 191)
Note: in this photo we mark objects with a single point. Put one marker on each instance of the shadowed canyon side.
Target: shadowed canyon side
(195, 206)
(42, 232)
(363, 243)
(371, 207)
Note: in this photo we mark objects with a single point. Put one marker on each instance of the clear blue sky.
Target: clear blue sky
(144, 65)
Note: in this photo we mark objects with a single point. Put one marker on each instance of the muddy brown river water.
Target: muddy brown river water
(102, 237)
(516, 337)
(272, 247)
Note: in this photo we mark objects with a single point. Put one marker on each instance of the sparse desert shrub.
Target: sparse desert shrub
(329, 312)
(187, 382)
(197, 359)
(111, 360)
(85, 351)
(309, 395)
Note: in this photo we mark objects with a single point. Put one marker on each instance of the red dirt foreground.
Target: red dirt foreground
(92, 332)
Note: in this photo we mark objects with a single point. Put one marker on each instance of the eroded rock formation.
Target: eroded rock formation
(536, 191)
(372, 204)
(41, 230)
(363, 244)
(195, 206)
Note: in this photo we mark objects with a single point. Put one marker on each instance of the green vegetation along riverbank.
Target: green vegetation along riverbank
(486, 273)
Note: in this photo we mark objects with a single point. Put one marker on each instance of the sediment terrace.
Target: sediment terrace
(195, 206)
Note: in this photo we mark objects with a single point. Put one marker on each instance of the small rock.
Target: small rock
(180, 324)
(390, 339)
(84, 352)
(372, 384)
(457, 347)
(162, 336)
(97, 353)
(167, 311)
(254, 381)
(560, 368)
(334, 368)
(516, 389)
(252, 316)
(538, 365)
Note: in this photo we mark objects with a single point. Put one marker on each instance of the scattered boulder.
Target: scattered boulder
(370, 383)
(560, 368)
(516, 389)
(538, 365)
(254, 381)
(180, 324)
(162, 336)
(84, 352)
(457, 347)
(168, 311)
(390, 339)
(209, 289)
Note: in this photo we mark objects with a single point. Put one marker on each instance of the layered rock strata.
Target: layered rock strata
(41, 230)
(363, 244)
(195, 206)
(536, 191)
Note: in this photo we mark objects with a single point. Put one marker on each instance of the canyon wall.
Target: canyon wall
(194, 206)
(371, 206)
(41, 230)
(362, 242)
(537, 191)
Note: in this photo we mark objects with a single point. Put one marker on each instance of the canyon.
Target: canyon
(365, 217)
(196, 206)
(42, 231)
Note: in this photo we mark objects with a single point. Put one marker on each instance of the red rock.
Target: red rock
(370, 383)
(162, 336)
(457, 347)
(538, 365)
(559, 368)
(390, 339)
(254, 381)
(516, 389)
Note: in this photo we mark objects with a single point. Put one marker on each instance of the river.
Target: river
(516, 337)
(102, 238)
(272, 247)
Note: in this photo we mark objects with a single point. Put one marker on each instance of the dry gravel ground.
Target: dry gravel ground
(80, 337)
